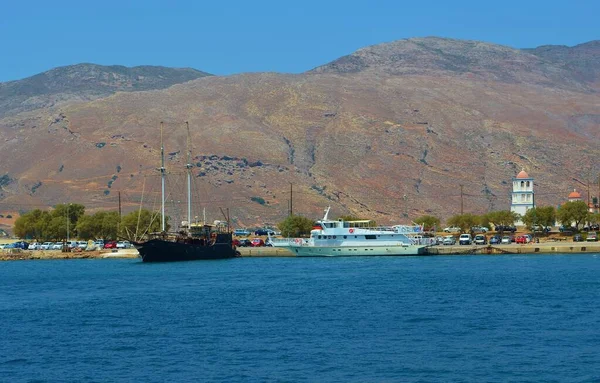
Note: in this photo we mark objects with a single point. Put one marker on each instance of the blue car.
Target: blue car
(22, 245)
(495, 240)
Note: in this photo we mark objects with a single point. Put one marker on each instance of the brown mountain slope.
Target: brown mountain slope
(369, 142)
(84, 82)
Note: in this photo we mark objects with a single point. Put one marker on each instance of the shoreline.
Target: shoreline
(265, 252)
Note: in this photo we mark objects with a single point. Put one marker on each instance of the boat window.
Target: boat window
(370, 236)
(335, 236)
(345, 236)
(319, 237)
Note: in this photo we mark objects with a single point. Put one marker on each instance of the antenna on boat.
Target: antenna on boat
(162, 179)
(326, 213)
(188, 167)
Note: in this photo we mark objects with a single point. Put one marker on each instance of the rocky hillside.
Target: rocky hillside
(389, 132)
(582, 62)
(574, 68)
(84, 82)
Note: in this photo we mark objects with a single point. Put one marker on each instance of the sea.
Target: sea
(507, 318)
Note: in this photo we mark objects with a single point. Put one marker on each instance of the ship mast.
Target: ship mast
(188, 167)
(162, 178)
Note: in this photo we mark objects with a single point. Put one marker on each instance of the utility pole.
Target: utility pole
(68, 219)
(588, 191)
(291, 199)
(119, 204)
(461, 199)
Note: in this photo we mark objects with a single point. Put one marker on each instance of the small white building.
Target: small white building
(522, 194)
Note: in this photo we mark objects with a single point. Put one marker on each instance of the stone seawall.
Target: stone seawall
(530, 248)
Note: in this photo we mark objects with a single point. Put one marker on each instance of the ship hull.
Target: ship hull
(158, 250)
(356, 251)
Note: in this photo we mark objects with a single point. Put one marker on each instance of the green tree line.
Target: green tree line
(572, 213)
(70, 221)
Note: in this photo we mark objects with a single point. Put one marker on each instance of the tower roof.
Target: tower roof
(574, 194)
(522, 174)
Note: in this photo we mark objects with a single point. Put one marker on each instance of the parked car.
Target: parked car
(241, 232)
(506, 240)
(495, 240)
(245, 243)
(56, 246)
(578, 238)
(258, 242)
(592, 236)
(566, 229)
(82, 245)
(449, 240)
(123, 245)
(521, 239)
(539, 228)
(592, 227)
(452, 229)
(110, 245)
(465, 239)
(34, 246)
(480, 239)
(21, 245)
(512, 229)
(479, 229)
(46, 245)
(264, 232)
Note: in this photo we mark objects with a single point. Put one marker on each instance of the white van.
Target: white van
(465, 239)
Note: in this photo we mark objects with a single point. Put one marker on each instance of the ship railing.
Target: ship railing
(402, 229)
(427, 241)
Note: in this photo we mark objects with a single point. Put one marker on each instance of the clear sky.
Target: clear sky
(225, 37)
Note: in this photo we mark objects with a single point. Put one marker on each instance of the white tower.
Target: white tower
(522, 194)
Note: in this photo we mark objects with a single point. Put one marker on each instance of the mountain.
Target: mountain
(581, 61)
(85, 82)
(390, 132)
(569, 68)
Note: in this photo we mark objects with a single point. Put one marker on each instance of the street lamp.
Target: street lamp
(68, 219)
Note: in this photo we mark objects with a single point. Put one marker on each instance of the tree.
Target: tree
(572, 212)
(73, 210)
(429, 222)
(502, 217)
(139, 223)
(25, 225)
(464, 221)
(102, 225)
(295, 226)
(594, 218)
(543, 216)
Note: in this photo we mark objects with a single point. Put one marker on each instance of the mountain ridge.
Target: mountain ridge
(359, 141)
(86, 82)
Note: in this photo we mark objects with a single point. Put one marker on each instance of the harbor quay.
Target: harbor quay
(529, 248)
(566, 247)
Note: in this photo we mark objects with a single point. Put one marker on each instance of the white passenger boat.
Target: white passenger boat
(339, 238)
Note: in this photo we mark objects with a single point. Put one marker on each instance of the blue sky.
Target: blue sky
(226, 37)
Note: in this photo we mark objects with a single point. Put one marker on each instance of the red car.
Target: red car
(521, 239)
(257, 242)
(110, 245)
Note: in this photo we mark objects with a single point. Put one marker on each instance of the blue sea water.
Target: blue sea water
(526, 318)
